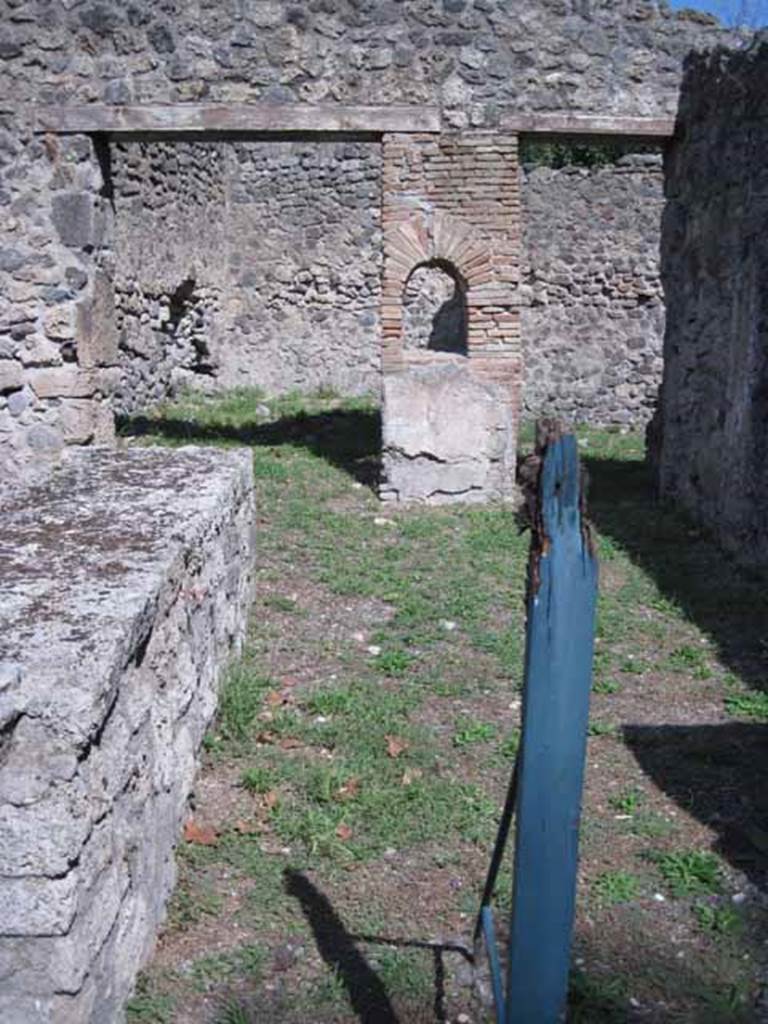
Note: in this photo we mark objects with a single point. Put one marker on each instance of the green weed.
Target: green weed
(470, 731)
(148, 1007)
(606, 686)
(232, 1011)
(190, 903)
(405, 974)
(690, 659)
(280, 604)
(598, 728)
(393, 663)
(509, 747)
(748, 705)
(240, 700)
(633, 665)
(650, 825)
(723, 920)
(626, 802)
(689, 873)
(596, 1000)
(259, 779)
(616, 887)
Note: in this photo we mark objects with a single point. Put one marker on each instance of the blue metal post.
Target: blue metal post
(558, 675)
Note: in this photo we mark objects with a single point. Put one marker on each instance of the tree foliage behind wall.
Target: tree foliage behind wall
(579, 152)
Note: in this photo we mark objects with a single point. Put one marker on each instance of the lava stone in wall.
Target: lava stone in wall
(434, 312)
(246, 264)
(304, 266)
(709, 442)
(593, 309)
(171, 250)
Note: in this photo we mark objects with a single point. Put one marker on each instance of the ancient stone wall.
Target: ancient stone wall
(710, 437)
(126, 583)
(478, 60)
(259, 264)
(170, 264)
(246, 264)
(473, 57)
(304, 267)
(592, 304)
(57, 340)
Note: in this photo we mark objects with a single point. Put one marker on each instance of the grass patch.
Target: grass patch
(259, 779)
(725, 920)
(748, 705)
(600, 728)
(380, 773)
(689, 873)
(596, 1000)
(606, 686)
(613, 887)
(240, 700)
(690, 659)
(469, 732)
(147, 1006)
(627, 802)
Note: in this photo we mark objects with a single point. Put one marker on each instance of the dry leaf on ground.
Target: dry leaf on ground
(395, 746)
(349, 790)
(202, 835)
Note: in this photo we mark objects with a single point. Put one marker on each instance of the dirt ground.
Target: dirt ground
(345, 812)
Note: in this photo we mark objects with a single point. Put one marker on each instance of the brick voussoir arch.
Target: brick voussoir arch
(443, 241)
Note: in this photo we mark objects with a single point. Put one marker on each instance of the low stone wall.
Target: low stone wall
(710, 439)
(592, 303)
(126, 581)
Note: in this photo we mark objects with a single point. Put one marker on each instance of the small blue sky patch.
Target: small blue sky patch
(753, 13)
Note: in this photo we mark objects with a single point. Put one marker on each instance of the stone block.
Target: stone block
(78, 420)
(38, 906)
(73, 217)
(44, 440)
(11, 376)
(97, 342)
(63, 382)
(446, 435)
(107, 692)
(57, 323)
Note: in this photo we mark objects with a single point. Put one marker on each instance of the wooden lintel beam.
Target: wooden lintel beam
(263, 118)
(188, 118)
(589, 124)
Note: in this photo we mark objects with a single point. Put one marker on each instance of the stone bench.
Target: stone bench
(125, 583)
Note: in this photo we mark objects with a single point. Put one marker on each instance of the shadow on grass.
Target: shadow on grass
(719, 773)
(593, 999)
(337, 948)
(349, 439)
(365, 989)
(727, 603)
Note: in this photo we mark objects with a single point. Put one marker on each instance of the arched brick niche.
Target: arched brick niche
(451, 203)
(435, 308)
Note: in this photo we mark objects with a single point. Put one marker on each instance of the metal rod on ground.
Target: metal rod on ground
(497, 856)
